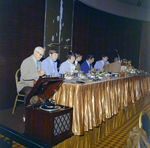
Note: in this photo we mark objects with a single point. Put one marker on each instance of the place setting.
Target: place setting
(81, 78)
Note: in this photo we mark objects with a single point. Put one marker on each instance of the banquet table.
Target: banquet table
(96, 101)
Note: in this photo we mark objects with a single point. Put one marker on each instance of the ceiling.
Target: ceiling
(144, 3)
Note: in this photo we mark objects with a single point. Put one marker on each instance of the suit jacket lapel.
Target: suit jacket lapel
(33, 63)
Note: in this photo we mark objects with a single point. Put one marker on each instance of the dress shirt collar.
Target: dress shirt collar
(103, 62)
(88, 63)
(76, 62)
(69, 62)
(52, 62)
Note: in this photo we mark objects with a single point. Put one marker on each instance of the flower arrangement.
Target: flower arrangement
(131, 70)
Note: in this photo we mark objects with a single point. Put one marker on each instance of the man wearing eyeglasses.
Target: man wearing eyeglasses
(30, 71)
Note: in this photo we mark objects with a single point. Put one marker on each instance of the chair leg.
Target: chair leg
(15, 104)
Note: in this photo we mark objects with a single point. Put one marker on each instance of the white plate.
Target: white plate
(83, 77)
(116, 73)
(91, 76)
(68, 78)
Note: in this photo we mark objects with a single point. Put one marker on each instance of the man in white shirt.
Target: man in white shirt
(68, 66)
(99, 65)
(49, 65)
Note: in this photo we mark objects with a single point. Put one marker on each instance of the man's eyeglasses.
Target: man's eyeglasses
(39, 53)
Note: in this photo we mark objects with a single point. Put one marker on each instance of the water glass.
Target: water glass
(52, 74)
(97, 72)
(81, 73)
(47, 76)
(62, 76)
(68, 73)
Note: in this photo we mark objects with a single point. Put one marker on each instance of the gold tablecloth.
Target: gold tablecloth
(94, 102)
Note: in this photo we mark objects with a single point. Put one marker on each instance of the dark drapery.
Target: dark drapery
(144, 63)
(96, 32)
(21, 30)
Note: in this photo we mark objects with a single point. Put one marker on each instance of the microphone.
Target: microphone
(116, 50)
(117, 54)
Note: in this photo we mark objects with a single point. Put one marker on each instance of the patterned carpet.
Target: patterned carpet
(7, 143)
(118, 138)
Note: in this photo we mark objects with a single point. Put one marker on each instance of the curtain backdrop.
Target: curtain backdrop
(96, 32)
(145, 48)
(21, 30)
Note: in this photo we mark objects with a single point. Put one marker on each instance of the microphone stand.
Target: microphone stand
(117, 54)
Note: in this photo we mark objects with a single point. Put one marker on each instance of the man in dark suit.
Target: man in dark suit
(87, 65)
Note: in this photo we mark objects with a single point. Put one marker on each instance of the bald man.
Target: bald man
(30, 70)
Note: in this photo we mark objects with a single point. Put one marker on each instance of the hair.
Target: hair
(37, 48)
(77, 54)
(124, 60)
(69, 55)
(51, 51)
(104, 56)
(129, 60)
(90, 57)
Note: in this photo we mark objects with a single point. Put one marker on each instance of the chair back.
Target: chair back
(144, 122)
(17, 78)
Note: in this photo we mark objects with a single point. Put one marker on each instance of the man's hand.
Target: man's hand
(103, 69)
(41, 73)
(93, 69)
(65, 72)
(76, 71)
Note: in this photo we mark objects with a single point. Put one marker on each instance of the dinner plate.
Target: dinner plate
(68, 78)
(83, 77)
(91, 76)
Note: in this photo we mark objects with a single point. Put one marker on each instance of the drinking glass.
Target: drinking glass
(52, 74)
(97, 71)
(81, 73)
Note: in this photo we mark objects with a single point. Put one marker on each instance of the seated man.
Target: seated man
(49, 65)
(87, 65)
(30, 70)
(78, 59)
(117, 59)
(99, 65)
(124, 62)
(68, 66)
(129, 62)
